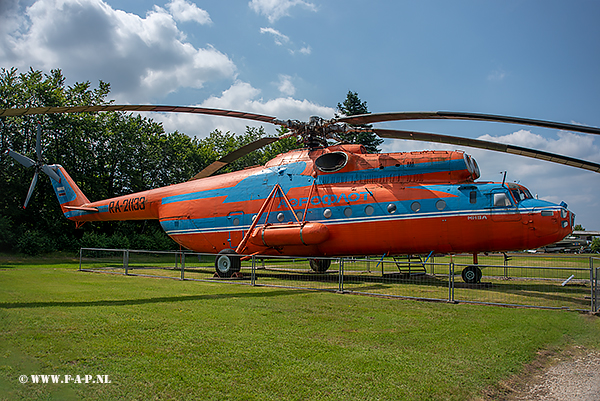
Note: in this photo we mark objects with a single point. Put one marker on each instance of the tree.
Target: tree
(107, 154)
(353, 106)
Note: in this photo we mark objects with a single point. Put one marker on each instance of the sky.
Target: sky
(295, 58)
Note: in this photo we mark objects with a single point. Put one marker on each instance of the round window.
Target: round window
(391, 208)
(327, 213)
(236, 221)
(280, 217)
(440, 205)
(415, 207)
(347, 212)
(369, 210)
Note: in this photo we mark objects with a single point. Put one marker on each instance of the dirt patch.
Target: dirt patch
(572, 374)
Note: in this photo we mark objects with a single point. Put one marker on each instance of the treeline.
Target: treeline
(107, 154)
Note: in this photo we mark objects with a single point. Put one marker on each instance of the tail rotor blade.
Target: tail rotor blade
(31, 188)
(24, 160)
(48, 170)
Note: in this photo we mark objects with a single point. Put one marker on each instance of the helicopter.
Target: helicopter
(329, 200)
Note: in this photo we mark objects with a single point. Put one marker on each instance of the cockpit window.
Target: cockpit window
(519, 192)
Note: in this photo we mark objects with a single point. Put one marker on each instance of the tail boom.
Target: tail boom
(76, 206)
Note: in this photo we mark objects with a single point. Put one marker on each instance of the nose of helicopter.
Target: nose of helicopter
(557, 223)
(549, 221)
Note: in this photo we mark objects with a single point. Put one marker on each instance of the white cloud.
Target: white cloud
(184, 11)
(496, 75)
(306, 50)
(569, 144)
(142, 58)
(285, 85)
(275, 9)
(279, 38)
(241, 96)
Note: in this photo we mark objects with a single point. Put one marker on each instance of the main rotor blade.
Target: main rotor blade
(31, 188)
(130, 107)
(495, 146)
(233, 156)
(24, 160)
(450, 115)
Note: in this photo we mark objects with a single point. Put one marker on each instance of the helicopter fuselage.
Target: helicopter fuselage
(339, 200)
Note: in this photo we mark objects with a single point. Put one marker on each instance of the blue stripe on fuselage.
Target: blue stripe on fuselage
(259, 185)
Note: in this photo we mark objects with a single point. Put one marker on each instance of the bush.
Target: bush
(35, 243)
(7, 235)
(91, 239)
(596, 245)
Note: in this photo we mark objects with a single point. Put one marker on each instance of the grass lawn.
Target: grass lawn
(168, 339)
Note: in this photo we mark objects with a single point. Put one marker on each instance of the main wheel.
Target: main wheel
(319, 265)
(227, 262)
(471, 274)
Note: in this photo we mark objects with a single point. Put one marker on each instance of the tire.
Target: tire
(319, 265)
(471, 274)
(227, 262)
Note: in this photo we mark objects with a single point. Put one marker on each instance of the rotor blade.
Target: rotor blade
(38, 142)
(495, 146)
(130, 107)
(450, 115)
(233, 156)
(24, 160)
(51, 173)
(31, 188)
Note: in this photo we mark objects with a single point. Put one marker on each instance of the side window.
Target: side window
(501, 200)
(473, 197)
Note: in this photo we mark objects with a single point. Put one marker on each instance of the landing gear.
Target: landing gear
(320, 265)
(227, 263)
(471, 274)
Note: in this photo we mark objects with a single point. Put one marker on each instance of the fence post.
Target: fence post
(252, 275)
(81, 256)
(594, 285)
(341, 276)
(451, 282)
(182, 265)
(126, 261)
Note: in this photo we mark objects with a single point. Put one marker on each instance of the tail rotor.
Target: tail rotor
(39, 164)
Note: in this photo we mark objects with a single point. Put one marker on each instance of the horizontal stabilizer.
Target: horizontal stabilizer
(82, 208)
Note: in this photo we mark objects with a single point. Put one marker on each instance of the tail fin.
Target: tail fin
(71, 198)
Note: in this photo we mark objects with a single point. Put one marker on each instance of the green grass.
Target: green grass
(168, 339)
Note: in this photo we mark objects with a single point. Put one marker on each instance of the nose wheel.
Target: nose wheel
(471, 274)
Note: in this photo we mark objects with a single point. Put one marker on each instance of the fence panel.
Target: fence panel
(538, 286)
(398, 278)
(298, 273)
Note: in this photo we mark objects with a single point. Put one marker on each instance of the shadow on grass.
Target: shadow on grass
(143, 301)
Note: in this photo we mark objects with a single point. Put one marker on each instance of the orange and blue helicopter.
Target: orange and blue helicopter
(335, 200)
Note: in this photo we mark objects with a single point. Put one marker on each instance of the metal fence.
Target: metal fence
(531, 280)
